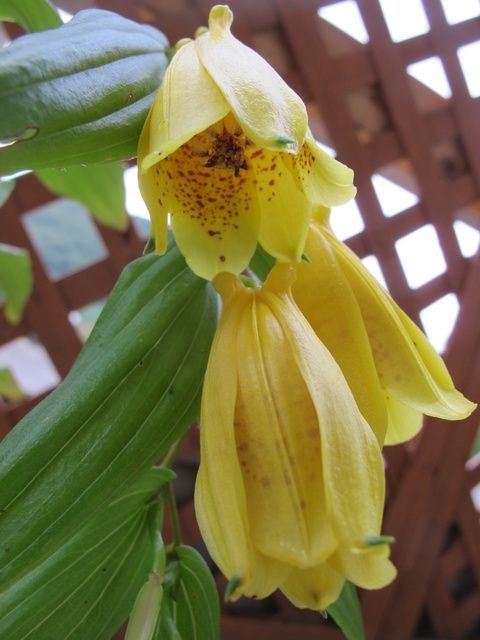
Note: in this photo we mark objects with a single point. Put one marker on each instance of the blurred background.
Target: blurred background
(392, 90)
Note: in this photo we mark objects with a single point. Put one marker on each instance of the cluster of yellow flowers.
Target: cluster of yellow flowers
(309, 375)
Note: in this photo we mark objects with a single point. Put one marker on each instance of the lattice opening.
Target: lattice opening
(64, 236)
(411, 251)
(431, 73)
(468, 238)
(395, 187)
(373, 265)
(439, 318)
(468, 56)
(346, 16)
(30, 364)
(83, 319)
(135, 205)
(405, 20)
(460, 10)
(341, 28)
(346, 220)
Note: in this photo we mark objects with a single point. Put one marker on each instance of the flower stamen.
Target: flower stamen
(227, 151)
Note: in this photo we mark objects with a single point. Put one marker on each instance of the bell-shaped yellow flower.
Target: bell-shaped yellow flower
(226, 152)
(393, 371)
(291, 480)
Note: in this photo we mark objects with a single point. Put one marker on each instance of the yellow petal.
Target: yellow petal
(324, 296)
(187, 102)
(220, 500)
(148, 183)
(326, 181)
(403, 422)
(408, 366)
(315, 588)
(352, 466)
(368, 567)
(279, 444)
(214, 213)
(285, 211)
(270, 113)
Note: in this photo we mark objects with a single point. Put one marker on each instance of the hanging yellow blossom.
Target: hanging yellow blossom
(393, 371)
(291, 482)
(226, 151)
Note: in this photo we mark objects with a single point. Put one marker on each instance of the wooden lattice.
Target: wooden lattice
(363, 103)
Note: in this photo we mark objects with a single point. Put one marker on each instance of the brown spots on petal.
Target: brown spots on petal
(209, 193)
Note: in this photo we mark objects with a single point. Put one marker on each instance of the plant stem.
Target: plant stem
(174, 518)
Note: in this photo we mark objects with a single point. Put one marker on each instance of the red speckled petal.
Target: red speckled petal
(214, 213)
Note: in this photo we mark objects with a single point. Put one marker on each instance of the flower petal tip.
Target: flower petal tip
(373, 541)
(220, 19)
(233, 584)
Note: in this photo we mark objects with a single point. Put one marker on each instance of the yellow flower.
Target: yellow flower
(227, 152)
(291, 480)
(393, 371)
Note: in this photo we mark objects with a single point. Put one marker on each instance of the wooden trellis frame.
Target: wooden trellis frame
(429, 507)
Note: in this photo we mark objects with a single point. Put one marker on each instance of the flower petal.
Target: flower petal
(148, 184)
(324, 296)
(368, 567)
(220, 500)
(270, 113)
(285, 211)
(315, 588)
(407, 364)
(353, 474)
(403, 422)
(187, 102)
(326, 181)
(279, 444)
(214, 213)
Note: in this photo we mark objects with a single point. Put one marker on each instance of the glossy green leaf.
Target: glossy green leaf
(83, 100)
(132, 392)
(15, 280)
(190, 610)
(9, 388)
(347, 613)
(86, 588)
(33, 15)
(99, 187)
(6, 188)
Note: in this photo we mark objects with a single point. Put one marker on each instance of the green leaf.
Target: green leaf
(132, 393)
(8, 386)
(190, 607)
(197, 606)
(83, 100)
(166, 628)
(261, 263)
(6, 188)
(15, 280)
(347, 613)
(99, 187)
(87, 587)
(33, 15)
